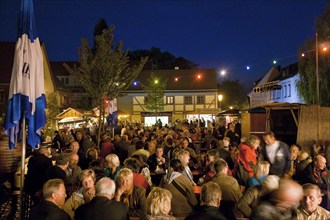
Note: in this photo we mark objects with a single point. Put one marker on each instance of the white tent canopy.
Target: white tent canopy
(71, 119)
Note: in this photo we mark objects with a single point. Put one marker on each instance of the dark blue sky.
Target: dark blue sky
(220, 34)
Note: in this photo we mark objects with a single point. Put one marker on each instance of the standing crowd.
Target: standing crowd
(181, 172)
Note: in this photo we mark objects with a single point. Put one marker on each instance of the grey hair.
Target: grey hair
(113, 158)
(106, 186)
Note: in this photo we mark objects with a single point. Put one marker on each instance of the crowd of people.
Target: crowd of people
(180, 172)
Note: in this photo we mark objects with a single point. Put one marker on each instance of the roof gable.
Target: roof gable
(70, 112)
(272, 75)
(59, 70)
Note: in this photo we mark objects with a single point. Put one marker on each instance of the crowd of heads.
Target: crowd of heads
(217, 157)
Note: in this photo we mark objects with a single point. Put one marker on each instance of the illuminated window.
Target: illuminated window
(200, 99)
(188, 100)
(169, 99)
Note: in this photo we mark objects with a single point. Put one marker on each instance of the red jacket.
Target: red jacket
(248, 157)
(139, 180)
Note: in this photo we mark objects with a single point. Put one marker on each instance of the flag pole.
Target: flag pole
(26, 92)
(22, 169)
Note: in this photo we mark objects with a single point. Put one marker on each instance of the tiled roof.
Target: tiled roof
(187, 79)
(58, 68)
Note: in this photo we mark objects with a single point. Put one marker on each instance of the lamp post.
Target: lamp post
(220, 97)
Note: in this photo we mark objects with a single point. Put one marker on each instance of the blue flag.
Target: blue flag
(112, 112)
(26, 93)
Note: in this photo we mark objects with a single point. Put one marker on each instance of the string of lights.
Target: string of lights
(249, 67)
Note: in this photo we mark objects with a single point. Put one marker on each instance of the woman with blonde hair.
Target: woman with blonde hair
(159, 204)
(133, 196)
(84, 195)
(261, 171)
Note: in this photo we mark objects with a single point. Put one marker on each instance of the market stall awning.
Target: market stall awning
(205, 111)
(230, 112)
(70, 112)
(71, 119)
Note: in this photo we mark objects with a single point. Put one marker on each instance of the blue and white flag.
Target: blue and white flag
(113, 112)
(26, 93)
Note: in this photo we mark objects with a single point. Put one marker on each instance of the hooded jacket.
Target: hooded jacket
(182, 205)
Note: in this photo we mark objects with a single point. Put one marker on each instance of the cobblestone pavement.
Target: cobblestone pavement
(9, 202)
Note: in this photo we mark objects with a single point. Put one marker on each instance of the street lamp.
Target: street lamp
(220, 97)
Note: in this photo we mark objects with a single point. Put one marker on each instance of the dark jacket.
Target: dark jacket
(48, 211)
(322, 176)
(84, 146)
(152, 162)
(54, 172)
(206, 212)
(102, 208)
(282, 163)
(300, 168)
(57, 142)
(37, 167)
(224, 154)
(122, 150)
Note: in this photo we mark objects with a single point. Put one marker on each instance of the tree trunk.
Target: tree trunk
(100, 123)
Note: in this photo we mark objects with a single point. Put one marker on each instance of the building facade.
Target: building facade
(189, 94)
(277, 86)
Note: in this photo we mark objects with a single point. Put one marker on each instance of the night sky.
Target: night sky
(214, 34)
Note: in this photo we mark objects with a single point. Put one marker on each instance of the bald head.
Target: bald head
(320, 162)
